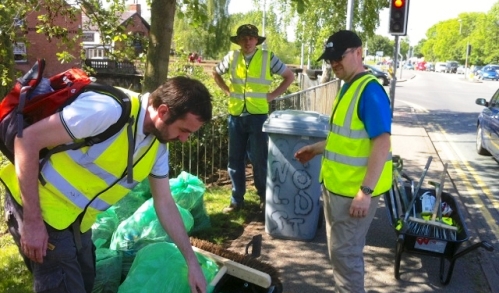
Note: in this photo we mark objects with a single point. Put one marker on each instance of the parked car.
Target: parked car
(430, 66)
(477, 69)
(409, 66)
(487, 127)
(383, 77)
(451, 66)
(460, 69)
(421, 66)
(440, 67)
(489, 72)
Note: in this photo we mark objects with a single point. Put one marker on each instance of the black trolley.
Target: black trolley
(446, 249)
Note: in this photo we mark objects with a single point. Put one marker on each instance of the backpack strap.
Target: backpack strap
(124, 100)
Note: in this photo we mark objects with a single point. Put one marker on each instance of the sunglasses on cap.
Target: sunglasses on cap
(339, 59)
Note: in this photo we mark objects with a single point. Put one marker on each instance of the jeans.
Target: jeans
(246, 138)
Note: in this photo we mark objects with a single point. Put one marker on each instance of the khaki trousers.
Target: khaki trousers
(346, 237)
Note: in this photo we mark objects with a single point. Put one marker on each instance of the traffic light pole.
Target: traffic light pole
(393, 83)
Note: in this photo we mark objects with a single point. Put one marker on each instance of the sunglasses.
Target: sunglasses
(339, 59)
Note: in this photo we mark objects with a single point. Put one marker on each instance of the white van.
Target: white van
(440, 67)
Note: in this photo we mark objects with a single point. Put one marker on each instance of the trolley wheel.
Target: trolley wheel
(398, 256)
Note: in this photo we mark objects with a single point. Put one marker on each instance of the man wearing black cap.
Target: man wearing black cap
(249, 93)
(357, 165)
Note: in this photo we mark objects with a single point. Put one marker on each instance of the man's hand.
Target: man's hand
(34, 239)
(308, 152)
(305, 154)
(197, 280)
(360, 205)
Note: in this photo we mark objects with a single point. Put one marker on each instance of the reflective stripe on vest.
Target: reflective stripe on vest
(87, 180)
(348, 147)
(249, 84)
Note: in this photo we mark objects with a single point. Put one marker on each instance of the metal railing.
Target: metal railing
(206, 153)
(107, 66)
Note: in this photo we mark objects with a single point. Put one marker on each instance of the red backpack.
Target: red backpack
(25, 104)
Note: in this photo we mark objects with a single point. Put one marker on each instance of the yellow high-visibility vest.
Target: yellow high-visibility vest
(348, 147)
(250, 84)
(88, 180)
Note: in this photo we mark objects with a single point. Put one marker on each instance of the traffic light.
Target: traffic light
(399, 13)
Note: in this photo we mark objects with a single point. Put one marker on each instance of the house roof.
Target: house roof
(88, 26)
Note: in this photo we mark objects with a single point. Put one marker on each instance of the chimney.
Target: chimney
(135, 7)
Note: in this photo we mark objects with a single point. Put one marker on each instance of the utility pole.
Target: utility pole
(264, 45)
(393, 83)
(350, 14)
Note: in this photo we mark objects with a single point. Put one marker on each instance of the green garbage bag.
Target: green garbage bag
(125, 207)
(104, 227)
(188, 191)
(108, 271)
(161, 268)
(141, 229)
(144, 225)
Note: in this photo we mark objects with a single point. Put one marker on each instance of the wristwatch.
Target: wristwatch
(366, 190)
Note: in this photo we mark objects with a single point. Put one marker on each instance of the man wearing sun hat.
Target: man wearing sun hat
(357, 166)
(250, 72)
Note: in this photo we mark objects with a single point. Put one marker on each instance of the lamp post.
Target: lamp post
(264, 45)
(467, 50)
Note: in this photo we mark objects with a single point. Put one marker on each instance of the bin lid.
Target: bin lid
(296, 122)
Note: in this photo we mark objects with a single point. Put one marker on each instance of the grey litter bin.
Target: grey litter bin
(293, 189)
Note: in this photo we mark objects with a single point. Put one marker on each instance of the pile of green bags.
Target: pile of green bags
(131, 228)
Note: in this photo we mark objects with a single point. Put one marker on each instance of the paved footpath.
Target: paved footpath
(304, 265)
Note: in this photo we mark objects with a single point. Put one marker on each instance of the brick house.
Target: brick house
(137, 26)
(40, 47)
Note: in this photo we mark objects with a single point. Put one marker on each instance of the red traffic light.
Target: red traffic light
(398, 3)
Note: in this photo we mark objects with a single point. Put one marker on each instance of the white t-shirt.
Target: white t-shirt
(92, 113)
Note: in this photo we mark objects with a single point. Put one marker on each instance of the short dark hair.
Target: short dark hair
(183, 95)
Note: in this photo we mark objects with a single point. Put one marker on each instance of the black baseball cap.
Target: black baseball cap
(338, 43)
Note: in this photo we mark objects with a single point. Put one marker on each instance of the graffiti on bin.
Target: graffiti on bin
(290, 190)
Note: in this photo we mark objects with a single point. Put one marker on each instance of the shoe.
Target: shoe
(233, 207)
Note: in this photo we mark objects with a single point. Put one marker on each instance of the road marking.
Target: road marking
(472, 190)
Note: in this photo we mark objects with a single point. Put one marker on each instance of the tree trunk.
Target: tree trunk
(160, 39)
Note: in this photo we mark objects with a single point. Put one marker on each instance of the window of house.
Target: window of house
(18, 22)
(88, 37)
(95, 53)
(20, 53)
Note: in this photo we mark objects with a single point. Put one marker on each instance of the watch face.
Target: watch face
(366, 190)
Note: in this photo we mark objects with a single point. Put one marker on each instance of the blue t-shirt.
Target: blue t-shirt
(374, 109)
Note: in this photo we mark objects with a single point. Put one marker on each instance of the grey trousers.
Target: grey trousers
(65, 269)
(346, 238)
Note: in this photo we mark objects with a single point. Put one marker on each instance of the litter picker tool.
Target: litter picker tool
(403, 226)
(433, 228)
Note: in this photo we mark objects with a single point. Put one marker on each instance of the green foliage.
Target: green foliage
(447, 40)
(380, 43)
(319, 19)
